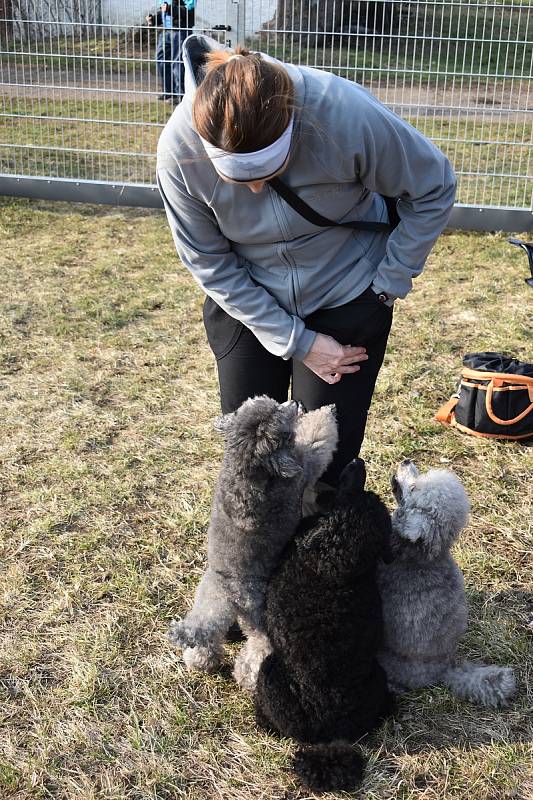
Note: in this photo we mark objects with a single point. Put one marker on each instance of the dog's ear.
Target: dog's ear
(396, 488)
(223, 424)
(376, 530)
(351, 482)
(275, 439)
(282, 464)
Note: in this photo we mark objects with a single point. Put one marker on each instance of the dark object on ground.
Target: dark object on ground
(322, 684)
(528, 247)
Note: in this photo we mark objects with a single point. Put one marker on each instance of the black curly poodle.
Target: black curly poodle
(322, 684)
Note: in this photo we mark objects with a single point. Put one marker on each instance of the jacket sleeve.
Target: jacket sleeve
(396, 160)
(224, 276)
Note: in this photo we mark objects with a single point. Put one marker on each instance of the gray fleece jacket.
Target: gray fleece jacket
(261, 261)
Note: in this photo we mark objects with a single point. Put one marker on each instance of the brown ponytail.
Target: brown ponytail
(244, 103)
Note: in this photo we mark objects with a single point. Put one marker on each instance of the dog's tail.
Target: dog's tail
(486, 685)
(335, 766)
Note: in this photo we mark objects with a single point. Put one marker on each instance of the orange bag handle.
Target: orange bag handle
(445, 412)
(504, 377)
(488, 404)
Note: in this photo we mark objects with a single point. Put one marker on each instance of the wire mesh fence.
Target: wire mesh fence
(80, 79)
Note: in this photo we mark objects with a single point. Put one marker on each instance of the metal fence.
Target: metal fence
(80, 114)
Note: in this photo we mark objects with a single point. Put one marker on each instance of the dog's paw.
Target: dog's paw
(184, 634)
(318, 428)
(249, 660)
(497, 686)
(204, 659)
(245, 678)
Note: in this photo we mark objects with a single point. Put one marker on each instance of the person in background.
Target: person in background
(176, 20)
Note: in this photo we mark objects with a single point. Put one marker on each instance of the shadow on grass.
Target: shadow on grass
(435, 718)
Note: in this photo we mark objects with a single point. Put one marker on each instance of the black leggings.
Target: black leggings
(246, 369)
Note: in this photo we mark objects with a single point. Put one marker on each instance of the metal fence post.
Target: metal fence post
(236, 19)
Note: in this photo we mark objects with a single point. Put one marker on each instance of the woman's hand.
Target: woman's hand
(330, 360)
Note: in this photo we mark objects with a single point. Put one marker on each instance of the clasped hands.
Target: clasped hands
(330, 360)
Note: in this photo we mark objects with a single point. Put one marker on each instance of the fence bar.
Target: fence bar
(83, 191)
(482, 218)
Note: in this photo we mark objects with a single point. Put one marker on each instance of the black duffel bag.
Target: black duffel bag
(494, 399)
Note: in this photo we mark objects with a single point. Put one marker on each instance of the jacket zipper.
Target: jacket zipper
(283, 250)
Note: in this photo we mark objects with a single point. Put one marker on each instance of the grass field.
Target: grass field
(108, 460)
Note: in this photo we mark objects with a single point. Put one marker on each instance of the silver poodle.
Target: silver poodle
(424, 604)
(272, 453)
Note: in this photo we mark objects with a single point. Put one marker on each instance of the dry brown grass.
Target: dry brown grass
(107, 392)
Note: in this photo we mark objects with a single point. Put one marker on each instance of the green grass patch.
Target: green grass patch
(83, 138)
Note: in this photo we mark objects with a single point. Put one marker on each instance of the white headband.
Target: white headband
(251, 166)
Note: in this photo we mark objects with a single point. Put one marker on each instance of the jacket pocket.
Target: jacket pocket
(370, 295)
(222, 330)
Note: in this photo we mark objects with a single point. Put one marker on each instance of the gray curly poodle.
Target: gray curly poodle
(424, 604)
(272, 453)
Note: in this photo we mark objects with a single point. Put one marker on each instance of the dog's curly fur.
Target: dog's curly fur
(424, 603)
(322, 767)
(272, 453)
(322, 682)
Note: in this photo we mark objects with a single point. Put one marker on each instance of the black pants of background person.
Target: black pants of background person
(246, 369)
(170, 63)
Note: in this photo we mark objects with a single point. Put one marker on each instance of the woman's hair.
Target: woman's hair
(244, 103)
